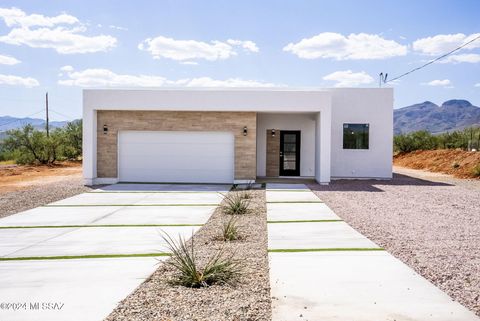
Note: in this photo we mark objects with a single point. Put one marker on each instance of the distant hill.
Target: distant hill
(452, 115)
(8, 122)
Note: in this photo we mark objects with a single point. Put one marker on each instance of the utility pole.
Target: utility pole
(46, 111)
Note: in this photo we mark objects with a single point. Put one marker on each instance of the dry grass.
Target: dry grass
(458, 163)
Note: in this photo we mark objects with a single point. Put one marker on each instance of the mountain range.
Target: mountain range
(455, 114)
(8, 122)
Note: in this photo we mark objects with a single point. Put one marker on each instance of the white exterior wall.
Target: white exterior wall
(369, 106)
(278, 100)
(331, 108)
(303, 122)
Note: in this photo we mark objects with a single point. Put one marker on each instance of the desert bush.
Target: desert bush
(72, 140)
(219, 269)
(423, 140)
(476, 170)
(230, 230)
(420, 140)
(455, 165)
(235, 204)
(29, 145)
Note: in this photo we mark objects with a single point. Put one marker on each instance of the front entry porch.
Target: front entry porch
(289, 147)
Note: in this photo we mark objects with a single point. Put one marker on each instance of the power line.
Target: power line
(67, 117)
(434, 60)
(19, 119)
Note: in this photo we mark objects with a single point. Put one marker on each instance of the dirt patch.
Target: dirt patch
(458, 163)
(248, 299)
(22, 177)
(433, 227)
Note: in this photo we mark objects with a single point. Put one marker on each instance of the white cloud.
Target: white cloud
(231, 82)
(477, 85)
(99, 77)
(439, 83)
(441, 44)
(351, 47)
(18, 81)
(247, 44)
(63, 33)
(163, 47)
(193, 63)
(8, 60)
(17, 17)
(67, 68)
(117, 27)
(347, 78)
(470, 58)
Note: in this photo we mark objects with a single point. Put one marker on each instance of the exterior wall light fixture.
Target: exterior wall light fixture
(273, 132)
(105, 129)
(245, 131)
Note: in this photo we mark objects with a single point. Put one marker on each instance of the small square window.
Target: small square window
(355, 136)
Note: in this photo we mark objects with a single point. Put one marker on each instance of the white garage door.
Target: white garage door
(168, 156)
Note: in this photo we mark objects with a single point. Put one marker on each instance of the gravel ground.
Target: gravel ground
(38, 195)
(248, 299)
(434, 227)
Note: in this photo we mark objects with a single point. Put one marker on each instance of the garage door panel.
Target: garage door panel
(205, 157)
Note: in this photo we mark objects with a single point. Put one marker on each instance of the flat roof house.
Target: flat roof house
(236, 135)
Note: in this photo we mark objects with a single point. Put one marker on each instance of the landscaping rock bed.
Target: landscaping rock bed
(247, 299)
(38, 195)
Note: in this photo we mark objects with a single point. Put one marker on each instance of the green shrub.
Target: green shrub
(219, 269)
(234, 204)
(29, 145)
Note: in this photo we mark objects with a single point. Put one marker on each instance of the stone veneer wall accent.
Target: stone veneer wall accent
(116, 120)
(273, 153)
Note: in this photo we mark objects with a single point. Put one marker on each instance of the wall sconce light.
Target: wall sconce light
(105, 129)
(245, 131)
(273, 132)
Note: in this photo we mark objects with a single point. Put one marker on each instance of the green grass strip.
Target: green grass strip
(120, 205)
(305, 221)
(96, 225)
(345, 249)
(72, 257)
(292, 202)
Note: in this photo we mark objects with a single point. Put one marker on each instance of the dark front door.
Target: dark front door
(290, 153)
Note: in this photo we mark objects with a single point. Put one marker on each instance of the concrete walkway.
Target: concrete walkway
(77, 258)
(322, 269)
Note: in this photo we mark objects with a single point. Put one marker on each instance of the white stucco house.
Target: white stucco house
(236, 135)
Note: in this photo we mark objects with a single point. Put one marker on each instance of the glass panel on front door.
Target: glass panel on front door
(290, 153)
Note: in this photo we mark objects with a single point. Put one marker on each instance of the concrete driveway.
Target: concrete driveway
(77, 258)
(323, 269)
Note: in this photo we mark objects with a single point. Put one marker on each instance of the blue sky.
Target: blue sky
(63, 46)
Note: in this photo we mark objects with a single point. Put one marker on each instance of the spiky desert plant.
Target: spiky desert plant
(230, 230)
(235, 204)
(220, 268)
(246, 195)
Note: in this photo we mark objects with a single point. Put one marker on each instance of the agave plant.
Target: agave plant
(230, 230)
(234, 203)
(220, 268)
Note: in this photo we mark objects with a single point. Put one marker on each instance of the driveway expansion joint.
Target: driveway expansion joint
(94, 225)
(88, 256)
